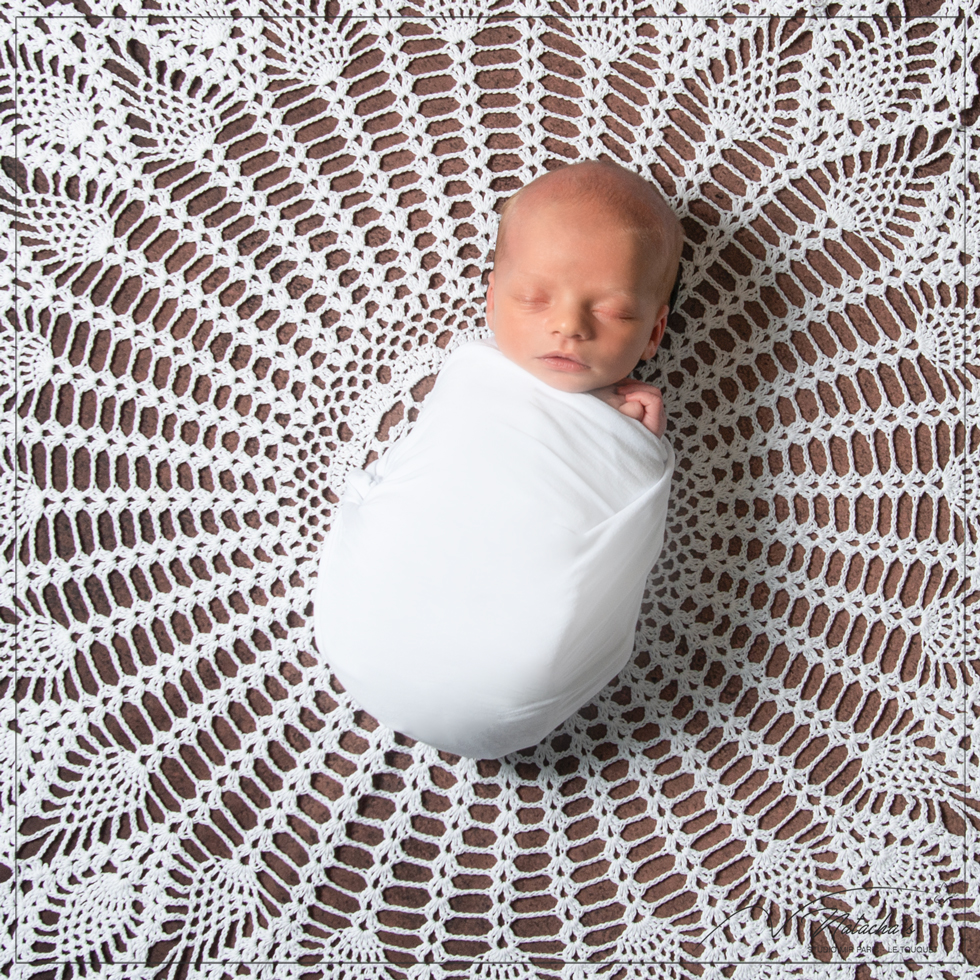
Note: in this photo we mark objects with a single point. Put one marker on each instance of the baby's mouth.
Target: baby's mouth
(563, 362)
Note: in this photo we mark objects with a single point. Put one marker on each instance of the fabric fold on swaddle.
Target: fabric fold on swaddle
(481, 581)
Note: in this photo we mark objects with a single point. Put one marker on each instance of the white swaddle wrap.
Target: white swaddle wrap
(482, 580)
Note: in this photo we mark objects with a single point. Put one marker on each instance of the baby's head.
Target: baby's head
(584, 264)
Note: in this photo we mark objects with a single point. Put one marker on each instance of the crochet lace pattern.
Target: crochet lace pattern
(239, 242)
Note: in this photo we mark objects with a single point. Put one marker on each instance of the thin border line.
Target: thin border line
(501, 16)
(15, 461)
(966, 420)
(965, 129)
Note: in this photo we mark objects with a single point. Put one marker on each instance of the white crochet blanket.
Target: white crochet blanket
(239, 242)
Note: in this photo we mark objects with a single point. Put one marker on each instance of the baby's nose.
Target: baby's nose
(574, 322)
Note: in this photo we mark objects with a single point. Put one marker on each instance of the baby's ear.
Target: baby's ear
(489, 295)
(657, 333)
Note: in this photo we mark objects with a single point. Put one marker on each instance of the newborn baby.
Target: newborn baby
(482, 580)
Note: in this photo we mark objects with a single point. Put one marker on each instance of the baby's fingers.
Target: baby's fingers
(634, 409)
(653, 415)
(658, 424)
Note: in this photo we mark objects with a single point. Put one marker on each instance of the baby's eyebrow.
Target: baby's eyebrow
(625, 296)
(529, 284)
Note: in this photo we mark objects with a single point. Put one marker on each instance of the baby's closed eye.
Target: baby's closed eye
(613, 313)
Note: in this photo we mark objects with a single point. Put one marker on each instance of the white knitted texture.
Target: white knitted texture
(238, 249)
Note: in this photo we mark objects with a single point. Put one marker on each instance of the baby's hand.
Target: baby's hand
(645, 403)
(639, 401)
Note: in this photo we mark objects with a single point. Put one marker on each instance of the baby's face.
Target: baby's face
(573, 300)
